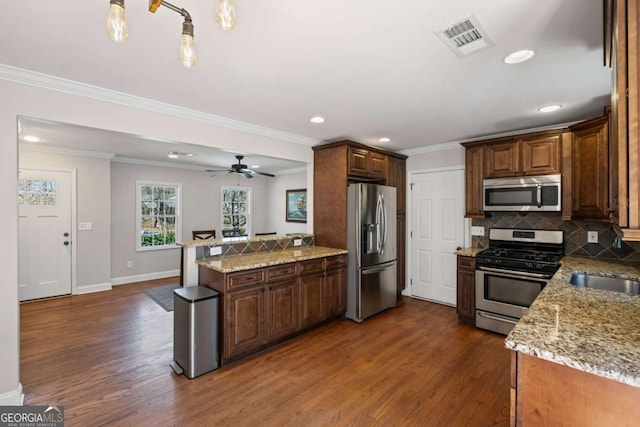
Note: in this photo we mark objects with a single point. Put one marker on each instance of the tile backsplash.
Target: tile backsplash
(575, 234)
(250, 246)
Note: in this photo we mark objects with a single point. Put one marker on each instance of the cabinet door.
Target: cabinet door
(311, 308)
(282, 309)
(377, 165)
(244, 321)
(466, 289)
(473, 181)
(501, 160)
(334, 293)
(541, 156)
(358, 162)
(590, 170)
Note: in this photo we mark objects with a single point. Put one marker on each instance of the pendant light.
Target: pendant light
(226, 14)
(187, 52)
(116, 23)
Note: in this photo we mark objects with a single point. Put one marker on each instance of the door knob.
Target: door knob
(66, 243)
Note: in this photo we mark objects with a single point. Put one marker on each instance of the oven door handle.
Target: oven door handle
(498, 318)
(539, 195)
(515, 275)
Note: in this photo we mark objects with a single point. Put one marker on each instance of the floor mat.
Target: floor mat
(163, 295)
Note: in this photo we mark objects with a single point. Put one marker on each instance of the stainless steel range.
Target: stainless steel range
(512, 272)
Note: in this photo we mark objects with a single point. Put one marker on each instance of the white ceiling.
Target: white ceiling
(373, 68)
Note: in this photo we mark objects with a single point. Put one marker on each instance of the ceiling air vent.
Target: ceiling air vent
(465, 37)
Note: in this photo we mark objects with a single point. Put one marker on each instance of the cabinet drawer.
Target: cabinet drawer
(336, 261)
(312, 266)
(466, 262)
(281, 271)
(244, 279)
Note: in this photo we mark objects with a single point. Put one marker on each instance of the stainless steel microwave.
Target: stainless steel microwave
(531, 193)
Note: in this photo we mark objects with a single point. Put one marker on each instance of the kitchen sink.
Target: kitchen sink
(584, 280)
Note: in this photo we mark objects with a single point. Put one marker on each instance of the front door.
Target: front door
(437, 216)
(44, 233)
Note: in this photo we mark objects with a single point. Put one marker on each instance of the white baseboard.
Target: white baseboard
(98, 287)
(13, 397)
(143, 277)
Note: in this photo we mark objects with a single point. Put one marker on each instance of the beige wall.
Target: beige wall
(276, 205)
(436, 159)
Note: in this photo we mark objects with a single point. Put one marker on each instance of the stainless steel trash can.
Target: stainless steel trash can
(195, 330)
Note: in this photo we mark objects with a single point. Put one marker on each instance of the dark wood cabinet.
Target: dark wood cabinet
(524, 155)
(539, 153)
(335, 287)
(264, 306)
(335, 166)
(586, 179)
(474, 173)
(466, 289)
(625, 114)
(283, 304)
(243, 328)
(366, 163)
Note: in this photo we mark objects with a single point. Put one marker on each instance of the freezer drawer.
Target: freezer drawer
(373, 290)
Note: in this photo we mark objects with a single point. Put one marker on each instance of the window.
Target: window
(36, 192)
(236, 211)
(158, 216)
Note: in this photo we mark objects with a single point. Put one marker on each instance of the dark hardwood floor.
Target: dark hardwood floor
(105, 358)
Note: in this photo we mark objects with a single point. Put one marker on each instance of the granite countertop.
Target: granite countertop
(232, 240)
(472, 252)
(230, 264)
(591, 330)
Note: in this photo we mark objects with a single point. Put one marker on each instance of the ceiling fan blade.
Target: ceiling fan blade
(259, 173)
(246, 174)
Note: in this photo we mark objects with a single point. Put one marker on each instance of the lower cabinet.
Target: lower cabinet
(545, 393)
(261, 307)
(466, 289)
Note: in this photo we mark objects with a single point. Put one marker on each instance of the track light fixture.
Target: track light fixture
(118, 30)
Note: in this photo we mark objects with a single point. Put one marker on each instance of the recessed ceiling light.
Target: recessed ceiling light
(549, 108)
(316, 119)
(189, 154)
(519, 56)
(31, 138)
(384, 139)
(255, 166)
(173, 155)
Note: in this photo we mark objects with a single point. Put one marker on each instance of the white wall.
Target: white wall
(200, 210)
(26, 94)
(453, 156)
(277, 203)
(93, 205)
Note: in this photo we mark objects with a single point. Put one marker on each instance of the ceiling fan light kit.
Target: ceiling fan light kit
(118, 29)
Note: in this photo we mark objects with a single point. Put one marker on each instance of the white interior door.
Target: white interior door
(437, 216)
(44, 233)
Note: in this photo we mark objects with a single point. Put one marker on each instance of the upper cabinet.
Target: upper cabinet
(535, 154)
(622, 44)
(585, 182)
(538, 153)
(364, 163)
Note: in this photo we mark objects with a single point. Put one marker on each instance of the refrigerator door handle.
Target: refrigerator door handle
(383, 223)
(375, 270)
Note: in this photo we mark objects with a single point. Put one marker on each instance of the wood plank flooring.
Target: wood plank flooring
(105, 358)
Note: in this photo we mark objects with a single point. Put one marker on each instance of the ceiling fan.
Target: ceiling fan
(241, 169)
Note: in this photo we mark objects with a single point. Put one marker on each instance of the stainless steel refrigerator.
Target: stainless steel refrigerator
(371, 241)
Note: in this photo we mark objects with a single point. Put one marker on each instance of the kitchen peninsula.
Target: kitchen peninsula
(270, 289)
(576, 352)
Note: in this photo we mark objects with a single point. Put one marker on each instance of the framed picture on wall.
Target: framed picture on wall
(296, 205)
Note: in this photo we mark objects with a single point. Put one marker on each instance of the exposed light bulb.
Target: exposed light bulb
(116, 23)
(187, 52)
(226, 14)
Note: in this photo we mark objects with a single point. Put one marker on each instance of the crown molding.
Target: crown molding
(157, 163)
(456, 144)
(46, 81)
(27, 146)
